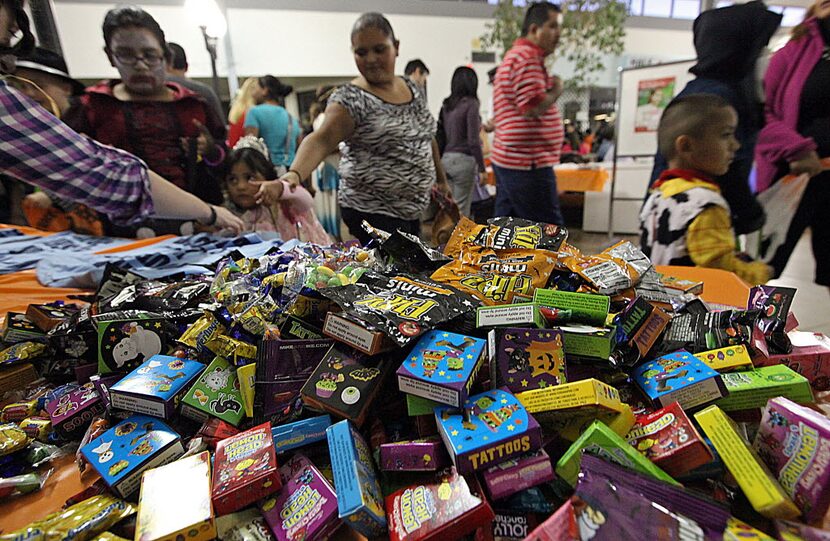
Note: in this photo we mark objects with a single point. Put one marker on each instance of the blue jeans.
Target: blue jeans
(529, 194)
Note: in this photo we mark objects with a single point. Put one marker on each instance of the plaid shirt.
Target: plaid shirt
(37, 148)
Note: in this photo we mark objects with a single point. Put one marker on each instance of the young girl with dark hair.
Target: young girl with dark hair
(292, 215)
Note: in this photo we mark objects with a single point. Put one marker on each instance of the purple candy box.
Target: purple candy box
(426, 454)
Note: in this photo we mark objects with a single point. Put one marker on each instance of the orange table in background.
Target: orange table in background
(571, 179)
(719, 286)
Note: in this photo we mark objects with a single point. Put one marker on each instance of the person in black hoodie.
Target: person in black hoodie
(728, 42)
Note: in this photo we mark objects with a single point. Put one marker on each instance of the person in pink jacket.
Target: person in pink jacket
(797, 132)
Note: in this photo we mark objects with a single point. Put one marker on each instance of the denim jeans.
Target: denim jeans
(529, 194)
(462, 172)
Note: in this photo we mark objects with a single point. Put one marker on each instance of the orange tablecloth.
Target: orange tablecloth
(571, 179)
(719, 286)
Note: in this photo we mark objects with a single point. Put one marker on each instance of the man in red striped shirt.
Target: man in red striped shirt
(529, 130)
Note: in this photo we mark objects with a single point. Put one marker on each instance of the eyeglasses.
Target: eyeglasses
(150, 58)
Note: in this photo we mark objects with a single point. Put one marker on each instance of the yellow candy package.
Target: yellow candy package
(505, 234)
(81, 522)
(12, 439)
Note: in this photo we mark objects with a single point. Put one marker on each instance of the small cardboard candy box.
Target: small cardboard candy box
(125, 344)
(679, 377)
(351, 333)
(752, 389)
(175, 501)
(490, 428)
(17, 327)
(305, 432)
(794, 442)
(306, 507)
(427, 454)
(72, 412)
(727, 359)
(48, 316)
(359, 497)
(122, 453)
(586, 308)
(518, 474)
(155, 387)
(244, 469)
(442, 508)
(442, 367)
(526, 359)
(810, 357)
(215, 394)
(510, 315)
(579, 397)
(669, 439)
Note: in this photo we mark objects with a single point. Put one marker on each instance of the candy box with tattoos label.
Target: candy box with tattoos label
(121, 454)
(442, 367)
(794, 442)
(668, 438)
(244, 469)
(359, 497)
(175, 502)
(679, 377)
(72, 412)
(155, 387)
(488, 429)
(306, 507)
(444, 507)
(216, 393)
(526, 359)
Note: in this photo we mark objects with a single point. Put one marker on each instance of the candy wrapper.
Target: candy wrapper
(697, 333)
(774, 303)
(505, 233)
(79, 522)
(502, 277)
(408, 254)
(12, 439)
(156, 296)
(22, 484)
(22, 351)
(615, 269)
(402, 306)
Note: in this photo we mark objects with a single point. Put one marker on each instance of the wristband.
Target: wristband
(214, 163)
(299, 176)
(212, 220)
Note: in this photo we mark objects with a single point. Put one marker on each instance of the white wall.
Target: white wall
(293, 43)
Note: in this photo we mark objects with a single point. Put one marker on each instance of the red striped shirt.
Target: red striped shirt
(521, 83)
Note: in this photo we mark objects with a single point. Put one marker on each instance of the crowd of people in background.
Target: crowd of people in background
(152, 152)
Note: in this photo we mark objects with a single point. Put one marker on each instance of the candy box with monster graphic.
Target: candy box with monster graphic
(679, 377)
(122, 453)
(488, 429)
(426, 454)
(359, 497)
(306, 507)
(72, 412)
(345, 383)
(244, 469)
(175, 502)
(155, 387)
(442, 367)
(443, 507)
(794, 442)
(669, 439)
(526, 359)
(125, 344)
(215, 394)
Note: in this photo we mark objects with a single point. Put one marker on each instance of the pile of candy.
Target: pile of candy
(510, 387)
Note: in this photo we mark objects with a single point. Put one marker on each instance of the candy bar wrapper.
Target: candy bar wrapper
(585, 308)
(669, 439)
(810, 357)
(306, 507)
(37, 428)
(407, 253)
(752, 389)
(215, 393)
(444, 507)
(489, 428)
(356, 334)
(560, 526)
(600, 440)
(402, 306)
(426, 454)
(774, 303)
(605, 273)
(244, 469)
(283, 368)
(72, 413)
(702, 332)
(679, 377)
(359, 498)
(20, 352)
(157, 386)
(728, 359)
(794, 442)
(794, 531)
(526, 359)
(175, 501)
(91, 517)
(505, 233)
(300, 433)
(503, 277)
(614, 503)
(121, 454)
(517, 474)
(442, 367)
(755, 479)
(247, 525)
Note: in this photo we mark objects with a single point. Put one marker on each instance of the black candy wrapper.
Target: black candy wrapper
(408, 254)
(401, 306)
(774, 303)
(701, 332)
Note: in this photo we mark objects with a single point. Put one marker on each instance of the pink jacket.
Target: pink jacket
(787, 72)
(293, 217)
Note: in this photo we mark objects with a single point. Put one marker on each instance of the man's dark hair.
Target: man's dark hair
(687, 115)
(178, 58)
(538, 14)
(127, 16)
(374, 20)
(413, 65)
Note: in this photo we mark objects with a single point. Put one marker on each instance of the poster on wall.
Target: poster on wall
(653, 95)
